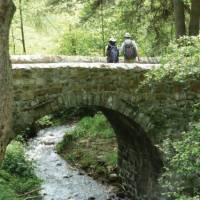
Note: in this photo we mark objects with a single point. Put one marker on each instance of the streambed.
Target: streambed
(60, 180)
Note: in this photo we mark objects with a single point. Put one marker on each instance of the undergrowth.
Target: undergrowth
(17, 178)
(91, 146)
(181, 179)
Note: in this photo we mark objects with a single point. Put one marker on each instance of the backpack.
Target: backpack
(113, 55)
(130, 51)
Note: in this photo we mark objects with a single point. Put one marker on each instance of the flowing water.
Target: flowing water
(60, 180)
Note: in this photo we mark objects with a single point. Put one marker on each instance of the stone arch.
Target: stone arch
(138, 159)
(121, 103)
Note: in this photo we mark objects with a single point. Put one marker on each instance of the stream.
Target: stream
(60, 180)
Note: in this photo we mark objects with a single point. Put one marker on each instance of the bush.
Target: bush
(181, 179)
(15, 161)
(93, 126)
(179, 63)
(180, 68)
(176, 79)
(17, 177)
(6, 193)
(45, 121)
(88, 127)
(188, 198)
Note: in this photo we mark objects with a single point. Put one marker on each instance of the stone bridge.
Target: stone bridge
(41, 89)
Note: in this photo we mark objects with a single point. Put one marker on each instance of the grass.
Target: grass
(17, 178)
(91, 146)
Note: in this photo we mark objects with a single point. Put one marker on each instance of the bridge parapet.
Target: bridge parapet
(27, 59)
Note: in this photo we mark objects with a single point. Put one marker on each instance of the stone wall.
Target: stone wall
(45, 88)
(140, 115)
(25, 59)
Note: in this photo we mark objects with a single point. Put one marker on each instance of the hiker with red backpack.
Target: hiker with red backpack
(112, 52)
(129, 49)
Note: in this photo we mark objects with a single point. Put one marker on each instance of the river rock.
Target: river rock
(59, 164)
(101, 160)
(48, 140)
(67, 176)
(81, 173)
(91, 198)
(113, 177)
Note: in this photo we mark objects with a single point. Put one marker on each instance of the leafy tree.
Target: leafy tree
(149, 22)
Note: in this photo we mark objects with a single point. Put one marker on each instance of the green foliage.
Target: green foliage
(80, 42)
(45, 121)
(111, 158)
(17, 178)
(91, 145)
(174, 80)
(87, 127)
(15, 162)
(6, 192)
(26, 184)
(12, 186)
(180, 69)
(149, 22)
(182, 175)
(93, 126)
(181, 62)
(188, 198)
(45, 25)
(67, 139)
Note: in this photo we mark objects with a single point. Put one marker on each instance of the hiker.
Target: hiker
(112, 52)
(129, 49)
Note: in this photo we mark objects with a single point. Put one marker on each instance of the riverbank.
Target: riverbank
(92, 147)
(17, 178)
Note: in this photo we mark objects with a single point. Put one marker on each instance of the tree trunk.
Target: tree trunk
(7, 9)
(13, 42)
(179, 14)
(102, 28)
(194, 18)
(22, 26)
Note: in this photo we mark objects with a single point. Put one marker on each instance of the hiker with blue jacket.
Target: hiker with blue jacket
(112, 52)
(129, 49)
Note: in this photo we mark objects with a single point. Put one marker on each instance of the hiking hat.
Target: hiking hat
(112, 39)
(127, 35)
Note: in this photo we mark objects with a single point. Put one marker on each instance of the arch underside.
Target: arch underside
(139, 161)
(25, 113)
